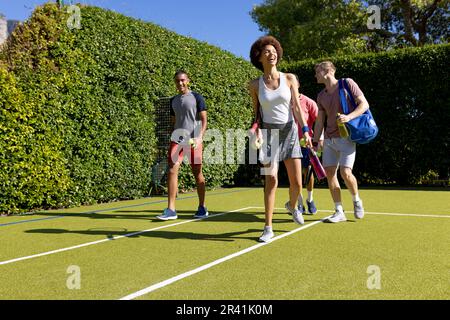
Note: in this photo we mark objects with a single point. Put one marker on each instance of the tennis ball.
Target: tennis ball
(192, 143)
(256, 143)
(303, 142)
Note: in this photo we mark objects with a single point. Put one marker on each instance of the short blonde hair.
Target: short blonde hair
(326, 66)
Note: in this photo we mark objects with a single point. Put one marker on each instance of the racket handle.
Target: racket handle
(253, 128)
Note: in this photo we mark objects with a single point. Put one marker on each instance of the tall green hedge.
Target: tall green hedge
(77, 106)
(32, 164)
(408, 92)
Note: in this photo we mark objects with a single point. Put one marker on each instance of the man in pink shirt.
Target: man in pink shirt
(338, 152)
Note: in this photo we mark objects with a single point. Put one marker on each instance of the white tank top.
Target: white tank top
(275, 104)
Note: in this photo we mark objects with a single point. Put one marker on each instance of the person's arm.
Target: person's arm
(362, 106)
(201, 112)
(361, 103)
(314, 111)
(253, 89)
(293, 85)
(318, 129)
(204, 121)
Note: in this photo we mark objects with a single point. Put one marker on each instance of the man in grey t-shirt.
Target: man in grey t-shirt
(188, 111)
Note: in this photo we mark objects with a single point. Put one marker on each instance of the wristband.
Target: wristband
(305, 129)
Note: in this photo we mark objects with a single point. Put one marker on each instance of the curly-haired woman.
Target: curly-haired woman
(273, 93)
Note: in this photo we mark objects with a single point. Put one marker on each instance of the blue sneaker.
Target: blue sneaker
(311, 207)
(301, 208)
(168, 215)
(202, 212)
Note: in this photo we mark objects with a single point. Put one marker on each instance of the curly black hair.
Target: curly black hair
(258, 46)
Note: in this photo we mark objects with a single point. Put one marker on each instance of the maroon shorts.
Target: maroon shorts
(177, 152)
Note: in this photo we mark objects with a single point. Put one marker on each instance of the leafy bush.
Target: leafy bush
(85, 100)
(408, 94)
(32, 166)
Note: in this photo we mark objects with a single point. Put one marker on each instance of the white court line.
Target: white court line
(114, 238)
(409, 214)
(214, 263)
(180, 223)
(239, 253)
(380, 213)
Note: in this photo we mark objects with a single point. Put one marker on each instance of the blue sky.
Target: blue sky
(226, 24)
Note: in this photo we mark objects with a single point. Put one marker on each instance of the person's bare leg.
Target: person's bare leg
(352, 185)
(200, 181)
(310, 185)
(269, 198)
(294, 171)
(172, 184)
(333, 184)
(270, 188)
(350, 180)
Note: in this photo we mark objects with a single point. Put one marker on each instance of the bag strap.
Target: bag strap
(343, 97)
(343, 88)
(352, 99)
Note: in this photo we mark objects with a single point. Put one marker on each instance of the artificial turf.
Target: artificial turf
(326, 261)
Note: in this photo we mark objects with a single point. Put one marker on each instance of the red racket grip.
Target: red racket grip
(253, 128)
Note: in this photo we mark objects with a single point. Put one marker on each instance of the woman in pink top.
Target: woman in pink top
(310, 111)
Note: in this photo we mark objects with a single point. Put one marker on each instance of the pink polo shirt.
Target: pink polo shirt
(310, 111)
(330, 103)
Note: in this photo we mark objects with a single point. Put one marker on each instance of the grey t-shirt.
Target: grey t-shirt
(186, 108)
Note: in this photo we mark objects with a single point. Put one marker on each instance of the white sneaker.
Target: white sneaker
(296, 214)
(266, 236)
(358, 209)
(338, 216)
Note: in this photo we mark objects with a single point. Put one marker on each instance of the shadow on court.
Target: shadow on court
(170, 235)
(150, 215)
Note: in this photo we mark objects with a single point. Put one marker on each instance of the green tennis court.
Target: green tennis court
(400, 250)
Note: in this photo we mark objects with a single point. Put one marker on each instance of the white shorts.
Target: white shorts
(338, 152)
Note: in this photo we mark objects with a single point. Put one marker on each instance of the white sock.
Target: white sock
(356, 197)
(310, 196)
(338, 206)
(268, 228)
